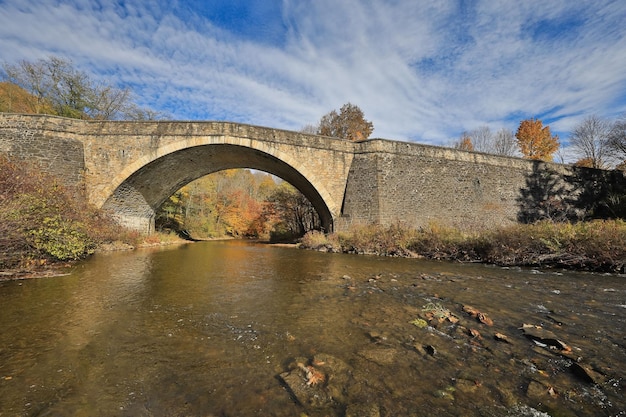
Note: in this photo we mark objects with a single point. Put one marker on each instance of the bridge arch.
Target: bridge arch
(143, 185)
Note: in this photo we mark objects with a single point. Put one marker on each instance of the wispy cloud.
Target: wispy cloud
(421, 71)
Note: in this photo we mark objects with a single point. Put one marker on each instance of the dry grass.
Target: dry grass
(598, 245)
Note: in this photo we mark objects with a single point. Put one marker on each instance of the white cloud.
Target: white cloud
(423, 71)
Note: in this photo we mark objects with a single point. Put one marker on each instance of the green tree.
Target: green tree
(349, 124)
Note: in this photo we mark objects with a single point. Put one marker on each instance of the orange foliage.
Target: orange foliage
(349, 124)
(535, 141)
(241, 214)
(585, 163)
(466, 144)
(14, 99)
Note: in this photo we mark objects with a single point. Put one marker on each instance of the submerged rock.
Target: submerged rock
(306, 395)
(501, 338)
(318, 383)
(380, 356)
(587, 374)
(546, 337)
(538, 391)
(363, 410)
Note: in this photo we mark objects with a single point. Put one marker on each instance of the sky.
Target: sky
(422, 71)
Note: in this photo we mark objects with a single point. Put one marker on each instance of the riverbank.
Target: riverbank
(51, 268)
(598, 245)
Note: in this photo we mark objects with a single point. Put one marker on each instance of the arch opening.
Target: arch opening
(239, 203)
(135, 201)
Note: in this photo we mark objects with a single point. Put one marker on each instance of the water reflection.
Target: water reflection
(205, 329)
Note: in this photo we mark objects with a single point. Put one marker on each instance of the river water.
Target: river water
(218, 329)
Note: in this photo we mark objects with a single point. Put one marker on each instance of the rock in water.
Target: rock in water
(306, 395)
(363, 410)
(325, 392)
(544, 336)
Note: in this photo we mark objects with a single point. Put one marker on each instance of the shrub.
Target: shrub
(43, 220)
(314, 240)
(63, 240)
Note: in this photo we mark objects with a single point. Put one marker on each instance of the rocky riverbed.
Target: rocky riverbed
(476, 359)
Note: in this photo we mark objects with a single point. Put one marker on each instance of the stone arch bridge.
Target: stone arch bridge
(131, 168)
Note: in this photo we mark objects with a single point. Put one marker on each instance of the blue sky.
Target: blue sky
(420, 70)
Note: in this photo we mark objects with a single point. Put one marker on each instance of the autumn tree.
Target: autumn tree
(535, 140)
(55, 86)
(349, 124)
(464, 143)
(585, 163)
(234, 202)
(14, 99)
(238, 203)
(590, 141)
(295, 213)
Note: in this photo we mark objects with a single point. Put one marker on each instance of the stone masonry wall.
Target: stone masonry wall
(397, 182)
(57, 152)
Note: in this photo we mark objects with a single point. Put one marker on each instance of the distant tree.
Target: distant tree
(585, 163)
(504, 143)
(134, 112)
(500, 143)
(535, 141)
(464, 143)
(482, 139)
(349, 124)
(590, 141)
(31, 77)
(310, 129)
(55, 86)
(296, 213)
(617, 137)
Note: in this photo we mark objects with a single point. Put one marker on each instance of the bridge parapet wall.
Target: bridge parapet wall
(399, 182)
(49, 142)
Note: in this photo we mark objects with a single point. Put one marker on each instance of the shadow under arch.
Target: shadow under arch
(145, 185)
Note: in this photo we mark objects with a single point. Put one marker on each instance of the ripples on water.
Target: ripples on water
(206, 329)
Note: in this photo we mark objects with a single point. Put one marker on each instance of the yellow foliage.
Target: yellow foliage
(14, 99)
(466, 144)
(585, 163)
(535, 141)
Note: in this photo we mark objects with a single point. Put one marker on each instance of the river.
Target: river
(230, 328)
